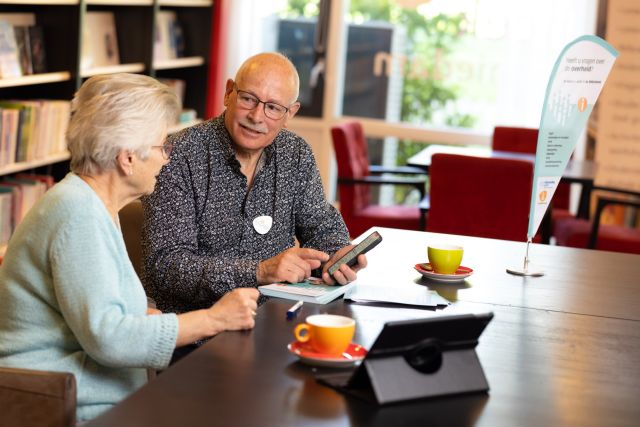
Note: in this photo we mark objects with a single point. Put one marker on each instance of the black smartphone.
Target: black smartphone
(351, 257)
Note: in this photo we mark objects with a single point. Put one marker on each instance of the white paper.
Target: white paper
(400, 294)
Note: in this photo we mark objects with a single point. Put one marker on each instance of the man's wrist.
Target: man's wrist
(260, 274)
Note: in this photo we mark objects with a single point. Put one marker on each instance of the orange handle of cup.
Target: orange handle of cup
(302, 327)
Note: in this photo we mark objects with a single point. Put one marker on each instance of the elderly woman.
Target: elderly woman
(70, 299)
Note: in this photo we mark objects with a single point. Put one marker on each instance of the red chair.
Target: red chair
(482, 197)
(356, 176)
(580, 233)
(525, 140)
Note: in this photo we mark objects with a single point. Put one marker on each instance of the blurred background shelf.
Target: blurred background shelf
(34, 79)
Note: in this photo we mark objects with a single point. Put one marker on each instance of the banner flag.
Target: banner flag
(574, 85)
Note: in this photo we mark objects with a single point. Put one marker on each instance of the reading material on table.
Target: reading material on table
(311, 290)
(406, 294)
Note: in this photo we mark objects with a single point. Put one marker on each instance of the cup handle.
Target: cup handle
(297, 332)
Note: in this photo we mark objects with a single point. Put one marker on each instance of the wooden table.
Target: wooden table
(562, 349)
(577, 171)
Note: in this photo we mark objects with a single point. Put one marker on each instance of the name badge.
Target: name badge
(262, 224)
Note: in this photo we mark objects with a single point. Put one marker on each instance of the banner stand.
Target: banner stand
(525, 271)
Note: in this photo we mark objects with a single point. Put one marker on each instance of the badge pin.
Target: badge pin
(262, 224)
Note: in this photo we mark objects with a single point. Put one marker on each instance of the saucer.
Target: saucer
(351, 357)
(460, 274)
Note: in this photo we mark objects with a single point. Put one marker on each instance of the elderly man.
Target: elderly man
(240, 189)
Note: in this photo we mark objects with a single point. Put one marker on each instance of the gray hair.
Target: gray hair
(116, 112)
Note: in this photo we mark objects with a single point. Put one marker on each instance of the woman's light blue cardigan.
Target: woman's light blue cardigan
(71, 301)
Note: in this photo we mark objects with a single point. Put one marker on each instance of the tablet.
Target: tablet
(419, 358)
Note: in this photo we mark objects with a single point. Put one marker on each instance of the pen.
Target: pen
(291, 313)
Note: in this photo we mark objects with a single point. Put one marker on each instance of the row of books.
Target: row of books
(100, 39)
(32, 130)
(21, 46)
(18, 194)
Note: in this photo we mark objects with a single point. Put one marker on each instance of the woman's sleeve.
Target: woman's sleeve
(107, 317)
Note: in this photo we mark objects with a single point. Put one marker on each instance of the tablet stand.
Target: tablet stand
(429, 368)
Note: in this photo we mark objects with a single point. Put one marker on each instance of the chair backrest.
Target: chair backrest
(517, 140)
(352, 158)
(37, 398)
(525, 140)
(131, 225)
(482, 197)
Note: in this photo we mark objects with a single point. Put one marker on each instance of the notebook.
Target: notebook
(311, 290)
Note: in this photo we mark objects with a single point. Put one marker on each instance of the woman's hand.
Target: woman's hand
(236, 310)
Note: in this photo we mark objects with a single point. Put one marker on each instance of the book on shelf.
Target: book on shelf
(9, 62)
(169, 42)
(36, 49)
(29, 44)
(23, 45)
(187, 115)
(311, 290)
(18, 194)
(19, 18)
(10, 120)
(178, 86)
(6, 206)
(26, 190)
(99, 41)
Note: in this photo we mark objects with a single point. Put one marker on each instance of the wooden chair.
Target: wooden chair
(482, 197)
(580, 233)
(37, 398)
(356, 176)
(131, 225)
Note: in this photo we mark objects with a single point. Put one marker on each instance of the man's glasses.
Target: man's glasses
(167, 148)
(248, 101)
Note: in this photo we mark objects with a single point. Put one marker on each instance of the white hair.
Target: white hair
(116, 112)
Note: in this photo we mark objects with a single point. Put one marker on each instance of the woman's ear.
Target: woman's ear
(125, 162)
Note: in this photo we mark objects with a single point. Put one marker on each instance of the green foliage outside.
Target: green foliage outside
(428, 41)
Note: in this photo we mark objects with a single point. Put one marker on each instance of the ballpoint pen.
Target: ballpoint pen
(293, 311)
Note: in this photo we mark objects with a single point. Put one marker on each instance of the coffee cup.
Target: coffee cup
(326, 333)
(445, 259)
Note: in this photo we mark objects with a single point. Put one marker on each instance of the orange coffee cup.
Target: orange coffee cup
(326, 333)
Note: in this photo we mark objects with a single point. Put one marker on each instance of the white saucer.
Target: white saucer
(460, 274)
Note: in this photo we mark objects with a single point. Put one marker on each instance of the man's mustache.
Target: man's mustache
(253, 127)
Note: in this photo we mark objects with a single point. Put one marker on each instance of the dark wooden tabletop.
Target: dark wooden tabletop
(562, 349)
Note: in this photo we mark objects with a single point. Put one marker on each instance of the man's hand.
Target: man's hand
(293, 265)
(344, 274)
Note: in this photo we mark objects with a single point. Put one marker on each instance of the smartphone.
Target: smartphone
(351, 257)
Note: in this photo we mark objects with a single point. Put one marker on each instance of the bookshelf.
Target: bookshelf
(62, 22)
(136, 27)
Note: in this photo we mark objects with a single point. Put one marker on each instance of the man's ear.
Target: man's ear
(292, 112)
(227, 91)
(125, 161)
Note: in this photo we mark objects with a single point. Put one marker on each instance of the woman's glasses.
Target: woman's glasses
(167, 148)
